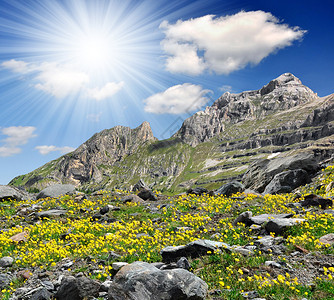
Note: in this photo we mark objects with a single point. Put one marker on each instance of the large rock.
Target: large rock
(278, 226)
(287, 181)
(132, 198)
(248, 219)
(80, 288)
(141, 280)
(193, 249)
(56, 190)
(230, 188)
(51, 213)
(147, 195)
(262, 172)
(315, 200)
(197, 191)
(10, 193)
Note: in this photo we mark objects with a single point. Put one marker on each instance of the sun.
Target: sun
(93, 51)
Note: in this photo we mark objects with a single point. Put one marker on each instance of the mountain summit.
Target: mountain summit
(213, 146)
(280, 94)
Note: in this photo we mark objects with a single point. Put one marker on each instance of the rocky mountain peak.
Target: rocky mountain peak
(280, 94)
(145, 131)
(286, 82)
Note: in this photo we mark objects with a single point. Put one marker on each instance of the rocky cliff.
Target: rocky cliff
(280, 94)
(86, 163)
(281, 119)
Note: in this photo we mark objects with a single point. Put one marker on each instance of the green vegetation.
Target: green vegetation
(139, 231)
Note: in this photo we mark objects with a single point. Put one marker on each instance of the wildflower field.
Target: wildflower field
(138, 231)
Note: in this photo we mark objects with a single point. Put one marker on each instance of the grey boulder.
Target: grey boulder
(146, 194)
(56, 190)
(51, 213)
(261, 172)
(287, 181)
(278, 226)
(80, 288)
(6, 261)
(193, 249)
(141, 280)
(230, 188)
(10, 193)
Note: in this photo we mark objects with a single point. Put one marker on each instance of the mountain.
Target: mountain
(282, 119)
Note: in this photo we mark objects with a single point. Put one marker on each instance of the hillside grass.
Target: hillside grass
(139, 232)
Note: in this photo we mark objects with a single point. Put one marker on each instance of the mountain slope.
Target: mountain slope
(212, 146)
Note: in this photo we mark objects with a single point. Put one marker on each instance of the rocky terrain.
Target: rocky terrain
(256, 222)
(231, 243)
(280, 120)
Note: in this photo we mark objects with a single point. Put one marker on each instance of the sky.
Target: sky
(71, 68)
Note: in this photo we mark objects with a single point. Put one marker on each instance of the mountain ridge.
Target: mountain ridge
(211, 147)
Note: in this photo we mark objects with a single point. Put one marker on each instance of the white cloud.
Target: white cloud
(177, 99)
(60, 81)
(44, 150)
(9, 151)
(107, 91)
(94, 117)
(224, 44)
(226, 88)
(16, 136)
(16, 66)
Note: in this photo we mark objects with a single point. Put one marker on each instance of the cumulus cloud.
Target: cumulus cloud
(16, 136)
(224, 44)
(44, 150)
(61, 80)
(177, 99)
(107, 91)
(16, 66)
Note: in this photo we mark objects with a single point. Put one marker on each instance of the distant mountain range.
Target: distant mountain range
(282, 119)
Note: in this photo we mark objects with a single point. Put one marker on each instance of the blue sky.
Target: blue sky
(69, 69)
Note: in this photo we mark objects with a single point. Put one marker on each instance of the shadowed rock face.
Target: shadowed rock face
(282, 93)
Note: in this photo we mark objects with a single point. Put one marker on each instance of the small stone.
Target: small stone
(183, 263)
(24, 274)
(327, 239)
(118, 265)
(48, 285)
(243, 251)
(105, 286)
(255, 227)
(113, 255)
(41, 294)
(20, 237)
(6, 261)
(104, 210)
(250, 294)
(271, 263)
